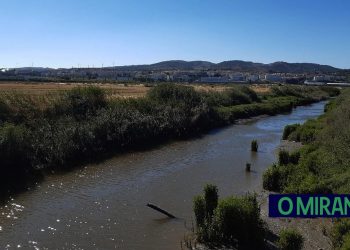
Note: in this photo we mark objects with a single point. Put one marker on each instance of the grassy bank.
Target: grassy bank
(57, 131)
(322, 165)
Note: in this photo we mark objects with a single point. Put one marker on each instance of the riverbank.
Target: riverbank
(56, 133)
(322, 166)
(315, 232)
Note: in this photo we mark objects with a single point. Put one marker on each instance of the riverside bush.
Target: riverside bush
(288, 130)
(211, 199)
(275, 177)
(199, 209)
(340, 233)
(235, 221)
(283, 157)
(290, 239)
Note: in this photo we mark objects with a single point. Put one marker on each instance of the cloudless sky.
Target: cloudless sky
(66, 33)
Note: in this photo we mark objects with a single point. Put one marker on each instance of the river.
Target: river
(102, 206)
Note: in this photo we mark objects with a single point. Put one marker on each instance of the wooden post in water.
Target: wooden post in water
(247, 167)
(160, 210)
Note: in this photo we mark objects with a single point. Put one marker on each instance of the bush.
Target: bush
(13, 146)
(283, 157)
(288, 130)
(237, 220)
(290, 239)
(79, 102)
(307, 132)
(294, 157)
(273, 179)
(250, 93)
(332, 91)
(174, 94)
(199, 210)
(211, 199)
(346, 242)
(340, 229)
(15, 151)
(254, 145)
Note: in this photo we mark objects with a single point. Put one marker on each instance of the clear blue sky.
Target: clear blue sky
(63, 33)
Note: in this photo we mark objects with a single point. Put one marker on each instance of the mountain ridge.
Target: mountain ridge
(233, 65)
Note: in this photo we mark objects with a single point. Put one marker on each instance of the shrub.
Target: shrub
(174, 94)
(294, 157)
(288, 130)
(283, 157)
(339, 230)
(332, 91)
(237, 219)
(250, 93)
(4, 111)
(254, 145)
(79, 102)
(272, 179)
(14, 157)
(346, 242)
(199, 210)
(290, 239)
(13, 145)
(238, 97)
(211, 199)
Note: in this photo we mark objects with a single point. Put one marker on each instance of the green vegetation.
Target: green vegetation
(340, 234)
(288, 130)
(254, 146)
(290, 239)
(58, 131)
(235, 221)
(283, 157)
(322, 165)
(211, 198)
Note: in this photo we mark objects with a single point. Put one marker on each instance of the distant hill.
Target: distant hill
(235, 65)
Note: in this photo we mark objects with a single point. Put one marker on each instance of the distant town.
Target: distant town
(187, 72)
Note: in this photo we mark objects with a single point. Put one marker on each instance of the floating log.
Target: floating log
(160, 210)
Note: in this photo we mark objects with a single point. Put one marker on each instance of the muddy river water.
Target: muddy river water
(102, 206)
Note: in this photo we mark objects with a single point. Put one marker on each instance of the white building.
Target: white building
(253, 78)
(273, 78)
(237, 77)
(322, 78)
(215, 79)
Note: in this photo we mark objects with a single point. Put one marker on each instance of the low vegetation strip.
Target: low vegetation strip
(58, 131)
(322, 165)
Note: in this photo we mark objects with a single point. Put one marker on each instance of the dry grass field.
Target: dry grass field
(113, 90)
(34, 88)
